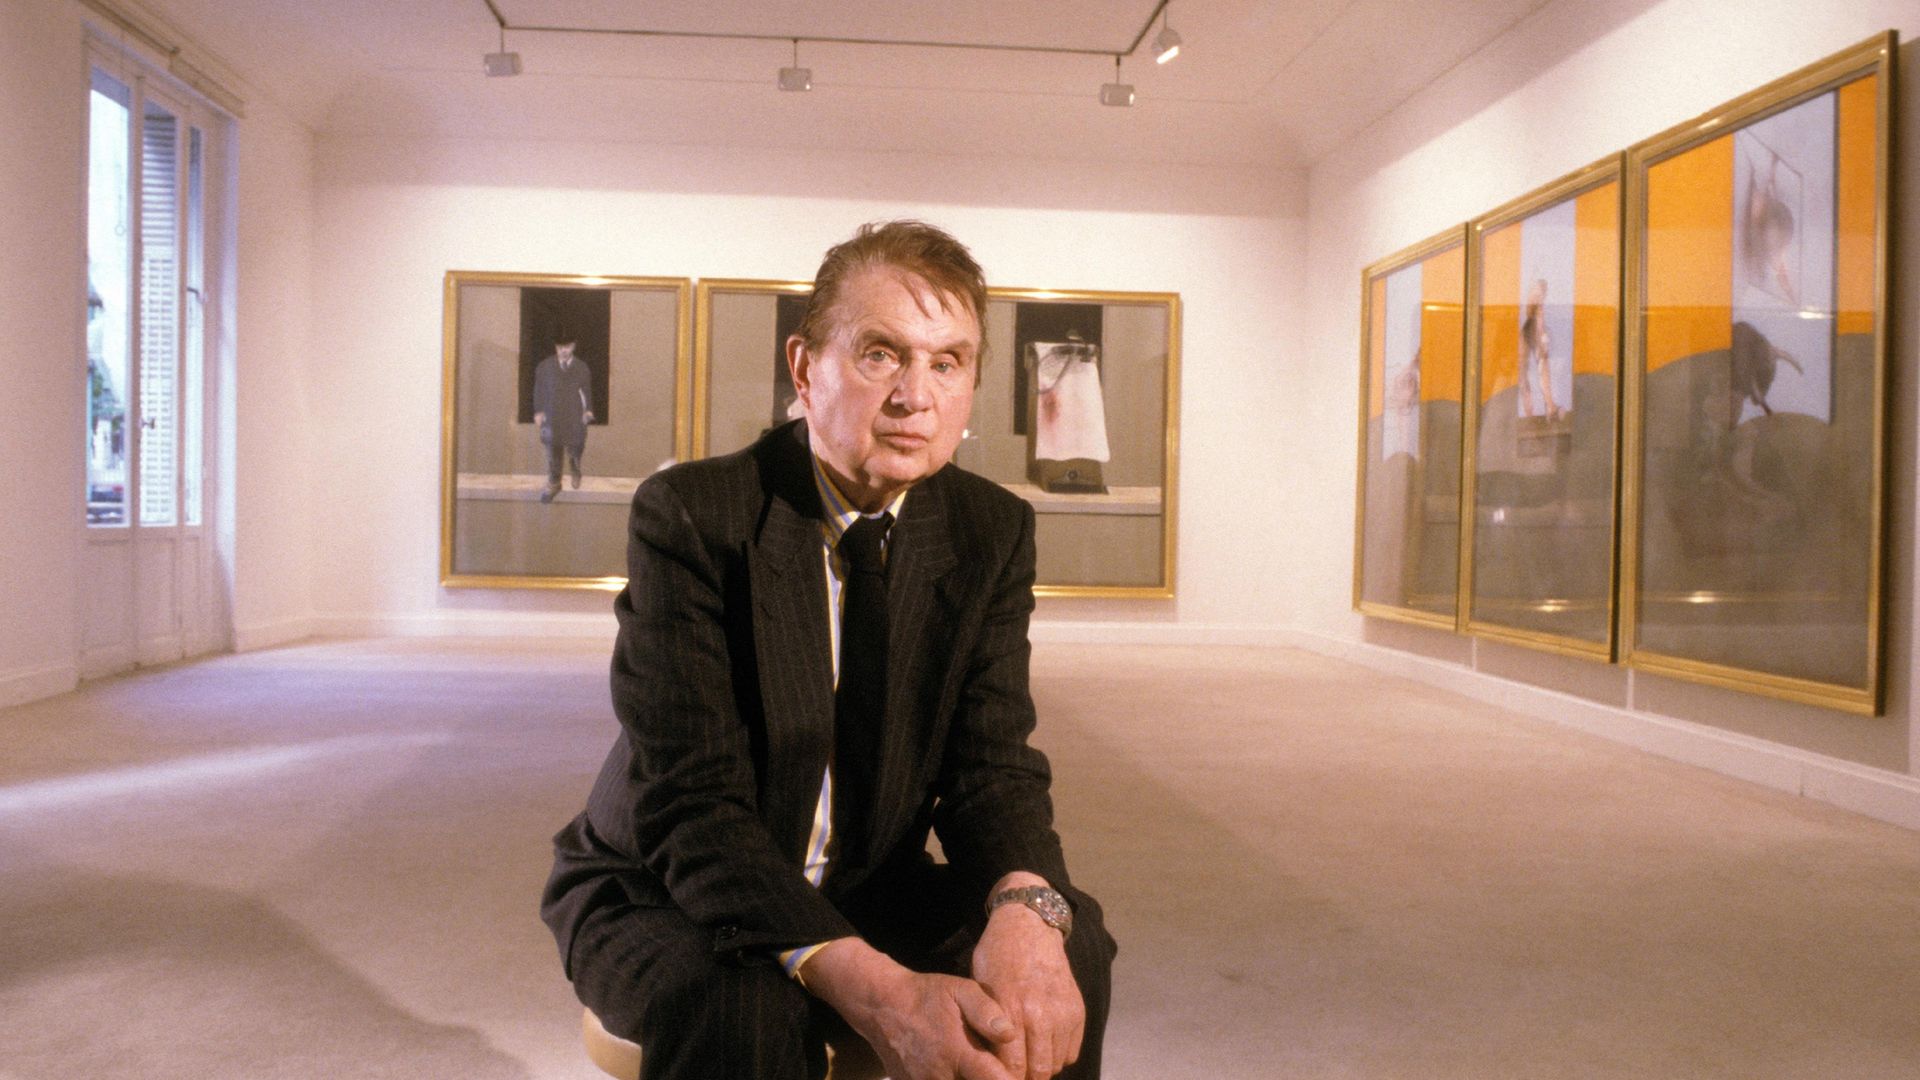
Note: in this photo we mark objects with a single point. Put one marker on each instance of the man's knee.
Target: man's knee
(725, 1020)
(652, 977)
(721, 1002)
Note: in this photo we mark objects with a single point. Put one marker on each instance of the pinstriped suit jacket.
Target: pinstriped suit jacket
(722, 683)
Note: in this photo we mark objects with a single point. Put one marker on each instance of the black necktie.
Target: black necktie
(860, 701)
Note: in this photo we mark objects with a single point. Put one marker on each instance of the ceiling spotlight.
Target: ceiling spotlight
(1116, 92)
(502, 62)
(1166, 45)
(796, 78)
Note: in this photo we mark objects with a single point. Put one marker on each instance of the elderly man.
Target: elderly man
(823, 657)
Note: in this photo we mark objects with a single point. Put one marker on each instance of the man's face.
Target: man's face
(564, 351)
(889, 392)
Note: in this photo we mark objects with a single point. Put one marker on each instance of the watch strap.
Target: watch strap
(1042, 900)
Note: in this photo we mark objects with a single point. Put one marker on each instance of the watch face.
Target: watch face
(1044, 902)
(1052, 906)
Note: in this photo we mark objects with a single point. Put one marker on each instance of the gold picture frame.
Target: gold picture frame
(507, 519)
(1754, 473)
(740, 382)
(1114, 543)
(1539, 500)
(1406, 544)
(1112, 532)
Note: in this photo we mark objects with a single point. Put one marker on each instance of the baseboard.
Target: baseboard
(20, 687)
(1876, 793)
(485, 624)
(271, 635)
(101, 661)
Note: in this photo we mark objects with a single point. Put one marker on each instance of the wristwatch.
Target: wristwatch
(1043, 901)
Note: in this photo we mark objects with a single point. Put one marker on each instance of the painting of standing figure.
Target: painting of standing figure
(1543, 377)
(560, 392)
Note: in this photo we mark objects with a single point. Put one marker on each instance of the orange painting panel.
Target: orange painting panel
(1689, 279)
(1443, 321)
(1596, 281)
(1499, 310)
(1854, 222)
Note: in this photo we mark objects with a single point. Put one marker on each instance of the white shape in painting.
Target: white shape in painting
(1783, 237)
(1546, 313)
(1070, 410)
(1400, 426)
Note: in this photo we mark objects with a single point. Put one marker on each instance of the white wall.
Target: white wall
(276, 528)
(43, 92)
(394, 216)
(1577, 81)
(42, 306)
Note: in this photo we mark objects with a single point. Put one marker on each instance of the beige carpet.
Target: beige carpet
(323, 861)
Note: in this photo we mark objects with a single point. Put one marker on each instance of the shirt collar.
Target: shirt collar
(841, 513)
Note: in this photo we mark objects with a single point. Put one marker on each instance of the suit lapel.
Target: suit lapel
(791, 641)
(794, 648)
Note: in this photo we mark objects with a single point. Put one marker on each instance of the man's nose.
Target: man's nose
(913, 391)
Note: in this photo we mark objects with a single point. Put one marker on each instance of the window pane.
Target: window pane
(159, 314)
(109, 284)
(193, 359)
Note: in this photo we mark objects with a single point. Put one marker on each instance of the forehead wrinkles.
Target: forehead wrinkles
(931, 301)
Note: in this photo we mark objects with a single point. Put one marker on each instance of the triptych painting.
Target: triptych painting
(561, 393)
(1671, 411)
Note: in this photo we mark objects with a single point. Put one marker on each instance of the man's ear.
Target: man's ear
(800, 365)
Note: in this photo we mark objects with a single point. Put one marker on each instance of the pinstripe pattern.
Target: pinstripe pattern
(723, 685)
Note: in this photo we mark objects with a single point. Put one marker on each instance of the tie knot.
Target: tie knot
(860, 544)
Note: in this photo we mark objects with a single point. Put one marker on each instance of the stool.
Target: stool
(848, 1057)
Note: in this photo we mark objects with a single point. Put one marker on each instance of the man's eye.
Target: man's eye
(878, 356)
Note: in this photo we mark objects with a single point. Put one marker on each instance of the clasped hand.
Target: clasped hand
(1020, 1017)
(1021, 963)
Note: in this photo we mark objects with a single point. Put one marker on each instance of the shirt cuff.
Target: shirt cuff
(792, 959)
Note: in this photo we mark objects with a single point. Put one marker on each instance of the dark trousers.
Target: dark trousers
(651, 975)
(557, 455)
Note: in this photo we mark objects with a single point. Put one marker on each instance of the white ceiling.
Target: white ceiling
(1275, 84)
